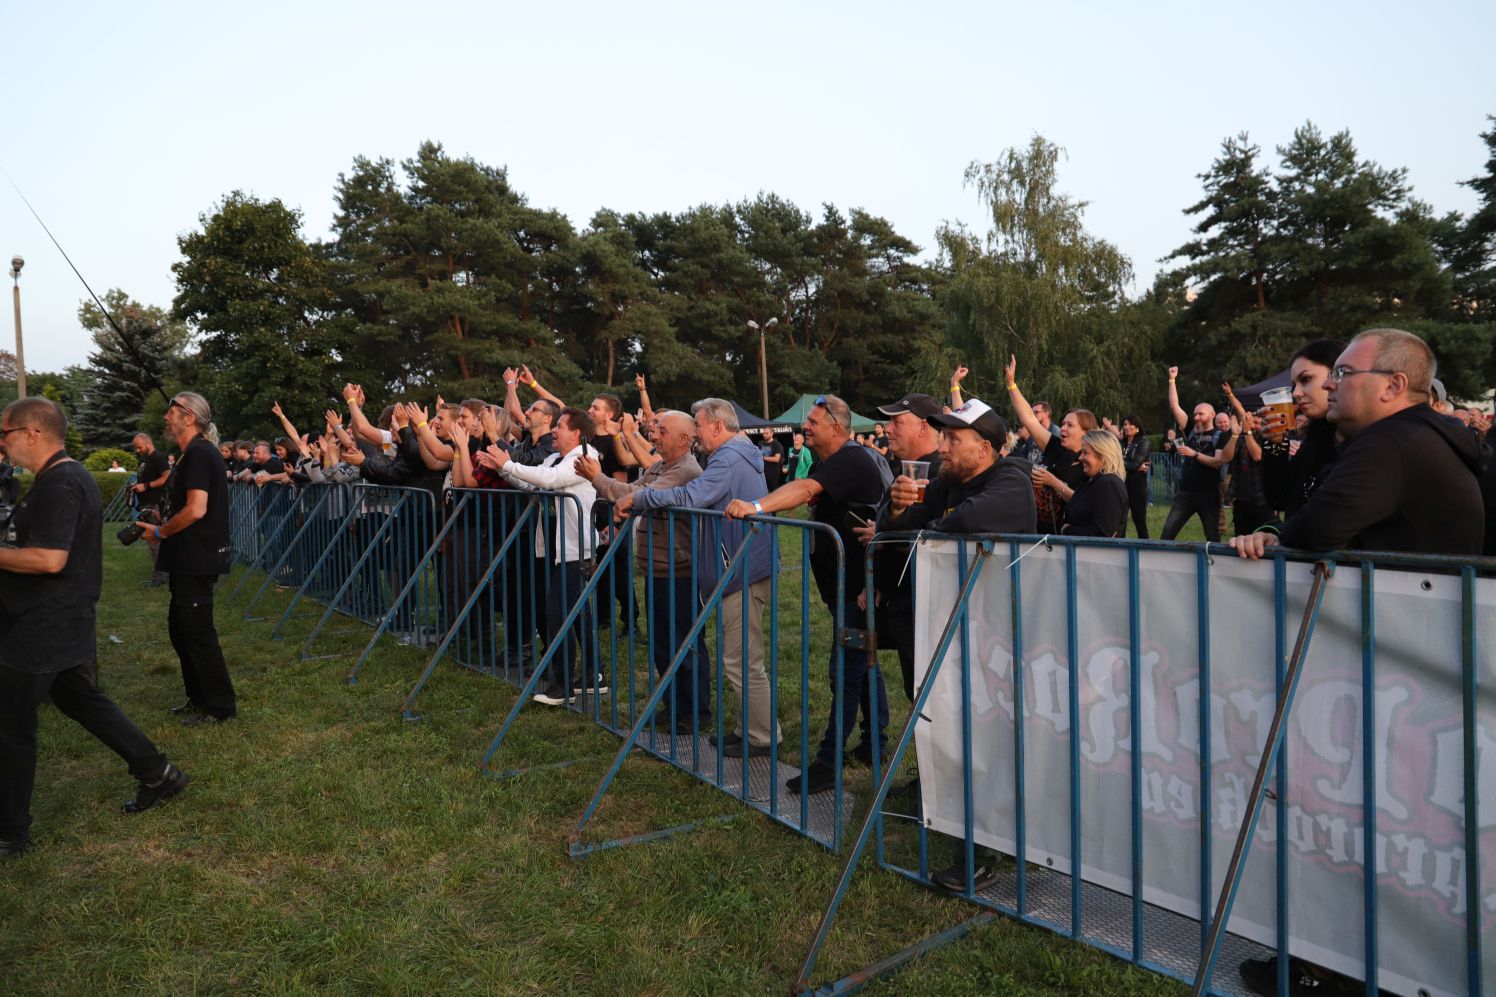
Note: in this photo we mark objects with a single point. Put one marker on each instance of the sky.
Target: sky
(124, 123)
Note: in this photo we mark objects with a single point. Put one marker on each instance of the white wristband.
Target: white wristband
(758, 508)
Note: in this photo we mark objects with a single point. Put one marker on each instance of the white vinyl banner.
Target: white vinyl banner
(1418, 747)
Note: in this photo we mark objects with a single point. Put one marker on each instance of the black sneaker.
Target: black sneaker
(187, 707)
(728, 740)
(953, 877)
(816, 779)
(149, 794)
(1304, 979)
(599, 687)
(553, 695)
(863, 753)
(10, 849)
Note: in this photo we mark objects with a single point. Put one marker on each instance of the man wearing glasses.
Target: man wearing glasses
(49, 587)
(1407, 478)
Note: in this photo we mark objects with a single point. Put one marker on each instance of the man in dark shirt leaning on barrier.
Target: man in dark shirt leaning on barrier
(845, 488)
(1407, 478)
(977, 491)
(49, 587)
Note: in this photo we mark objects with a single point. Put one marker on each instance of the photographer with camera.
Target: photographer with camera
(150, 489)
(49, 588)
(195, 550)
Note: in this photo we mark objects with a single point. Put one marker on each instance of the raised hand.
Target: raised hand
(333, 419)
(354, 456)
(276, 408)
(630, 425)
(350, 392)
(1010, 369)
(639, 383)
(959, 374)
(1173, 373)
(510, 376)
(459, 437)
(524, 373)
(415, 414)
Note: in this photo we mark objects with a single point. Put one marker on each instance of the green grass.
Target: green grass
(326, 845)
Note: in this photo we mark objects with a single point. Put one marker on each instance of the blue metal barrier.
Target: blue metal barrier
(1127, 912)
(380, 542)
(648, 723)
(299, 538)
(121, 508)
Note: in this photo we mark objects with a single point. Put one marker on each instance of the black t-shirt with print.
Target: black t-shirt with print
(47, 621)
(1195, 476)
(773, 470)
(152, 467)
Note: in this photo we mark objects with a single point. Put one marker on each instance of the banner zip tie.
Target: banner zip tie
(1042, 540)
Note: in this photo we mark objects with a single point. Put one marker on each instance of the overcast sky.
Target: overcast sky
(122, 123)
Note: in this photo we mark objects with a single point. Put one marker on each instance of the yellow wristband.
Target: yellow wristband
(532, 382)
(1012, 386)
(421, 425)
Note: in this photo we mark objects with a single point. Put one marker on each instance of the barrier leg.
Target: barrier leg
(352, 575)
(646, 716)
(875, 812)
(280, 562)
(399, 601)
(477, 595)
(1234, 870)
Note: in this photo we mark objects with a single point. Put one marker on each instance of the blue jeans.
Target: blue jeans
(691, 688)
(855, 667)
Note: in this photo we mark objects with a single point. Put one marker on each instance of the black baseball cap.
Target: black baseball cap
(977, 415)
(921, 405)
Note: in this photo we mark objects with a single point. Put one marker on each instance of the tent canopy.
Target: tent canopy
(1251, 395)
(795, 415)
(747, 420)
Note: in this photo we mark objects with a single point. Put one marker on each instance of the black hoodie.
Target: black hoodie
(1409, 482)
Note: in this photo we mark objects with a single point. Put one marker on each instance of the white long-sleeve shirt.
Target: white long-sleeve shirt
(558, 474)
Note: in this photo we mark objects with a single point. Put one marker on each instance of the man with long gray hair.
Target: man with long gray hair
(195, 550)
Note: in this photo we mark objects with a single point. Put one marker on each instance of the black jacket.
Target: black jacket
(1407, 483)
(1098, 508)
(1289, 481)
(1488, 487)
(999, 500)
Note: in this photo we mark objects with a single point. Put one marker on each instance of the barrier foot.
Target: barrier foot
(885, 967)
(489, 773)
(577, 850)
(410, 716)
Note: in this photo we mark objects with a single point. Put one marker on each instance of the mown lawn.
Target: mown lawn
(327, 845)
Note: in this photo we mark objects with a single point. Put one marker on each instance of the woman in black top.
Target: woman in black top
(1291, 473)
(1135, 454)
(1056, 475)
(1099, 506)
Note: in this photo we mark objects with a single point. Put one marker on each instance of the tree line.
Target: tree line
(437, 274)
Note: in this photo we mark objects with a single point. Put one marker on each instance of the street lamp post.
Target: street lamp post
(763, 361)
(16, 263)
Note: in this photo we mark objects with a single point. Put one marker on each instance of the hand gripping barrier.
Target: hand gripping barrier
(1121, 711)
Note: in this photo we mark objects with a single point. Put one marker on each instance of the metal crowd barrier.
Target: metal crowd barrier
(121, 508)
(685, 639)
(1152, 694)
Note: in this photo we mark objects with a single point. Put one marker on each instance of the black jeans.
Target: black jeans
(566, 584)
(77, 696)
(189, 624)
(1137, 502)
(1187, 504)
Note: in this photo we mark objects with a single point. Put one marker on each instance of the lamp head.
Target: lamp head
(753, 325)
(16, 263)
(771, 323)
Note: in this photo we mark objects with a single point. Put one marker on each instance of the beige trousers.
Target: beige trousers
(763, 727)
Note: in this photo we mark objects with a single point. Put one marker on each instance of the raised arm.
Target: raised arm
(1180, 416)
(957, 376)
(1021, 407)
(353, 394)
(291, 432)
(529, 378)
(649, 412)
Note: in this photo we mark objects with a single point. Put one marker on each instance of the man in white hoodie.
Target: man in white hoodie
(564, 549)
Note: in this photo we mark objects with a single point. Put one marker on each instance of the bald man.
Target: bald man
(1203, 454)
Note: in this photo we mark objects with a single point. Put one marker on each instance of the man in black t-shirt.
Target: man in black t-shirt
(150, 489)
(845, 489)
(195, 550)
(1200, 475)
(773, 453)
(49, 587)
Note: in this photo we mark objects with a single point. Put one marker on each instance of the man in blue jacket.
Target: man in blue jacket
(734, 471)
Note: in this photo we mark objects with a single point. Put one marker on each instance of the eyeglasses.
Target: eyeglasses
(5, 433)
(1340, 373)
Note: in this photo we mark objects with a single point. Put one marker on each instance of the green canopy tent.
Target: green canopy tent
(796, 414)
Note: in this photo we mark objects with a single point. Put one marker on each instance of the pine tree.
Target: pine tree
(127, 366)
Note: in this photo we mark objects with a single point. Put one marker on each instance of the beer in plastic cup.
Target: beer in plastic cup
(1279, 403)
(919, 471)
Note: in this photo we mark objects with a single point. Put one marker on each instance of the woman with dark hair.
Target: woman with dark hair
(1060, 473)
(1291, 473)
(1135, 460)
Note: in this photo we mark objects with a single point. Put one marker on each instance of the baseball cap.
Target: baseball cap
(975, 414)
(921, 405)
(1436, 389)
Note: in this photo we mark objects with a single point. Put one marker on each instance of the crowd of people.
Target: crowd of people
(1366, 460)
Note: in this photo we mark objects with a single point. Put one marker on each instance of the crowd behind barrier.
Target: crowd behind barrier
(628, 569)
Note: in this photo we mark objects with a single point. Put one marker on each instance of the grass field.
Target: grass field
(326, 845)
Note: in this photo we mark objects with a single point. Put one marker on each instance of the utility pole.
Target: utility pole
(763, 361)
(16, 263)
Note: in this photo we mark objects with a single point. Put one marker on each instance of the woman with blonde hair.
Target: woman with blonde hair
(1099, 506)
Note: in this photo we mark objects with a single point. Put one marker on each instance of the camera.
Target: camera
(133, 532)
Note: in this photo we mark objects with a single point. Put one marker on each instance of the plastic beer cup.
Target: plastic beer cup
(919, 471)
(1279, 403)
